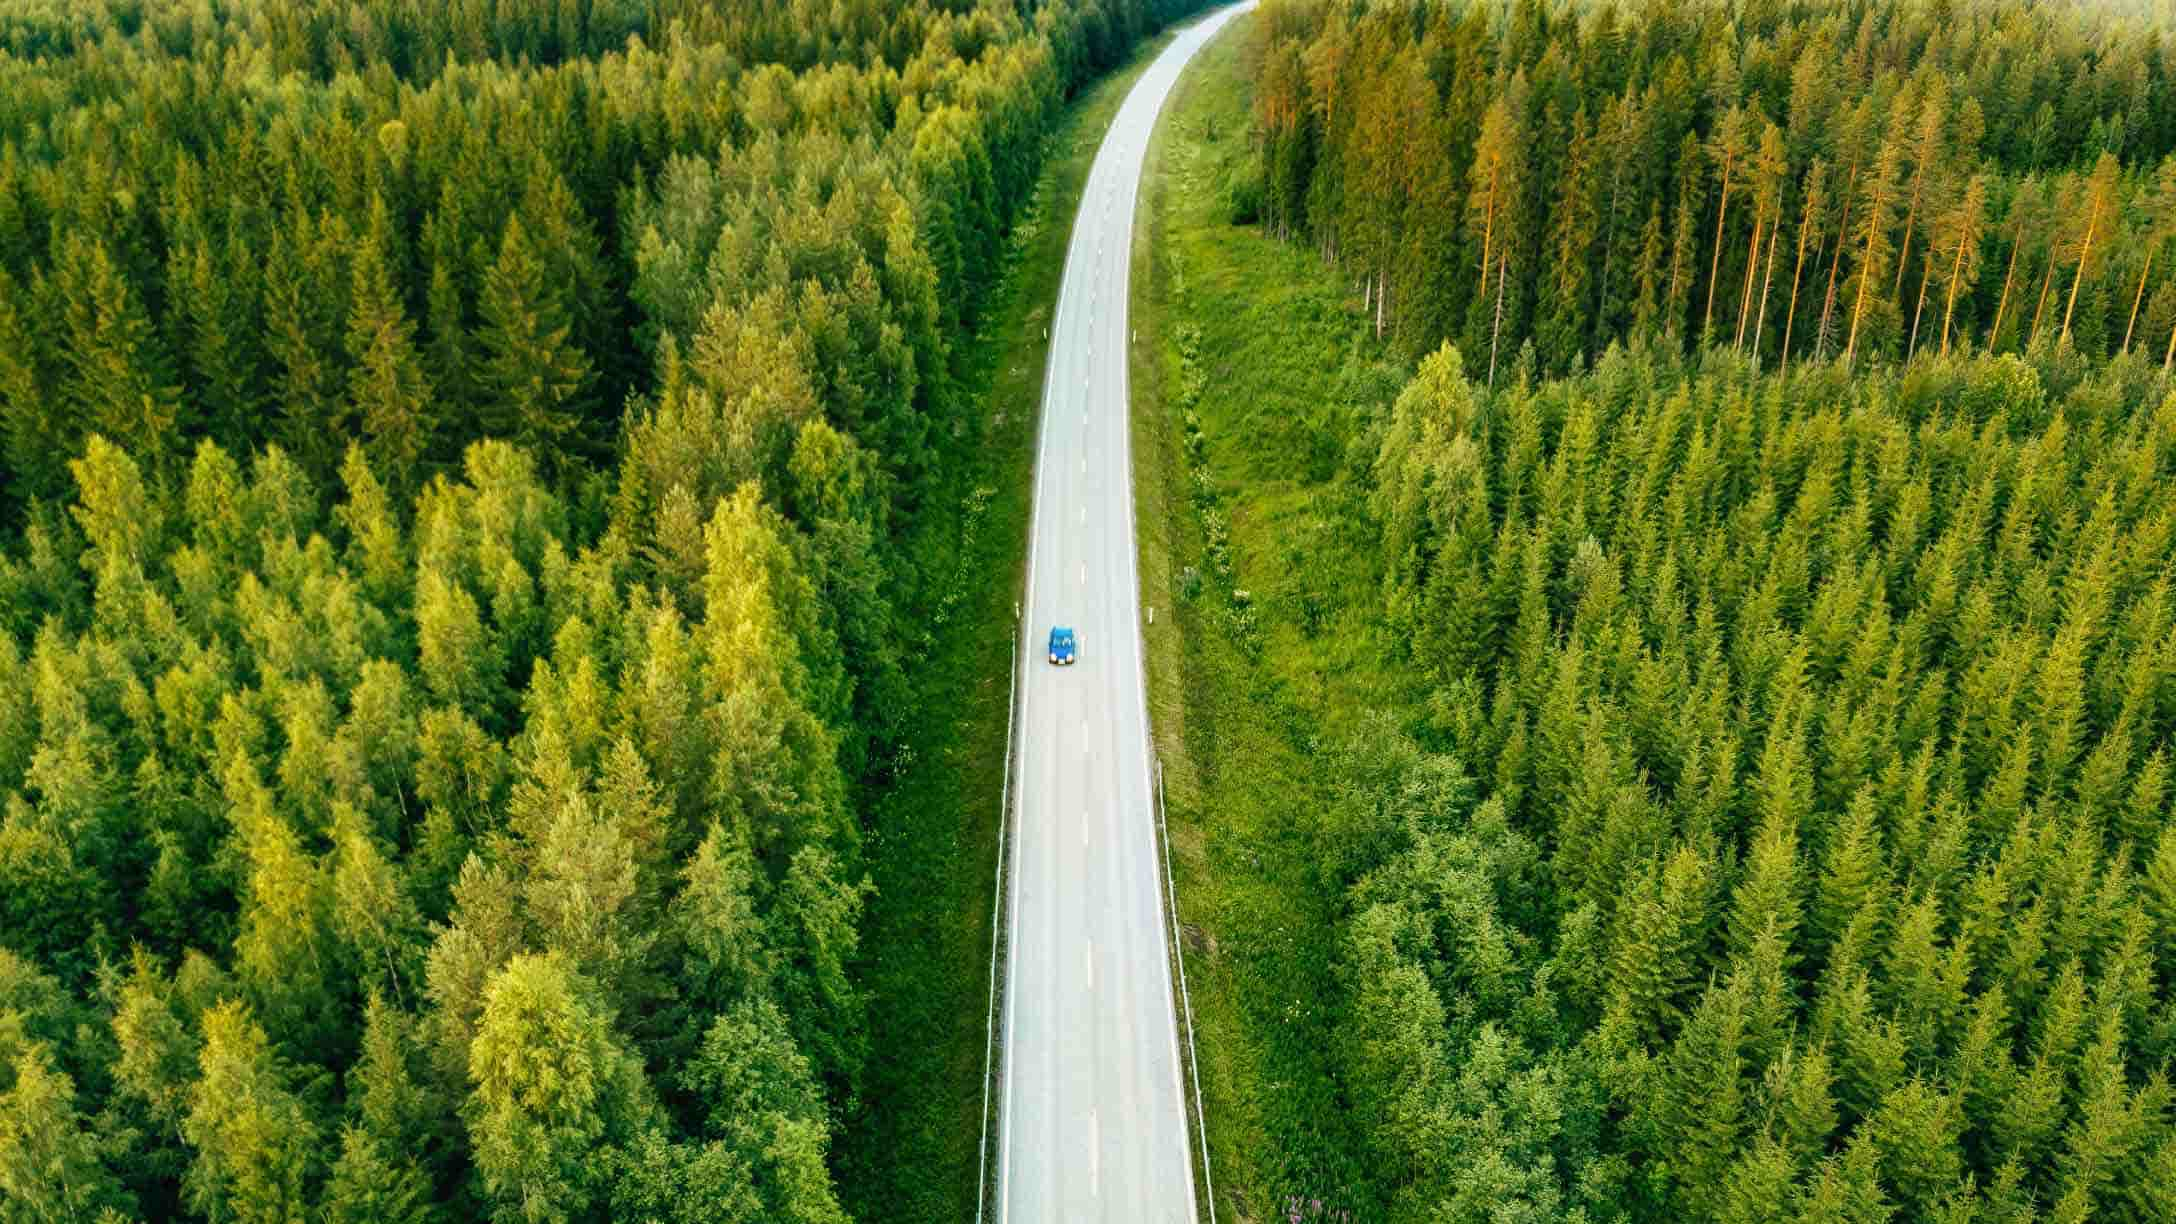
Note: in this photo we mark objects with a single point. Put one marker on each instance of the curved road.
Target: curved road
(1094, 1125)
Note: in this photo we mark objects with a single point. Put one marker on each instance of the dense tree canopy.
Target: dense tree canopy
(1793, 181)
(1765, 811)
(456, 466)
(1791, 824)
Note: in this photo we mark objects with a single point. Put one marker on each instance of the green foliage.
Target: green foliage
(425, 716)
(1812, 182)
(550, 1085)
(256, 1148)
(1730, 794)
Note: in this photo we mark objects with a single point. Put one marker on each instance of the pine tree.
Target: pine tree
(1684, 237)
(35, 422)
(535, 382)
(2099, 206)
(550, 1083)
(2026, 203)
(389, 390)
(118, 378)
(371, 911)
(1766, 900)
(1620, 140)
(1663, 925)
(815, 924)
(1929, 158)
(2060, 239)
(717, 924)
(765, 1105)
(1872, 236)
(1647, 303)
(284, 951)
(1770, 166)
(1915, 1133)
(50, 1165)
(1851, 871)
(1571, 237)
(304, 303)
(1727, 147)
(1498, 183)
(1814, 206)
(256, 1147)
(370, 1184)
(219, 294)
(1957, 241)
(2158, 202)
(1856, 136)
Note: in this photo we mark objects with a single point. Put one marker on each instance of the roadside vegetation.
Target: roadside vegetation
(910, 1151)
(1249, 533)
(1645, 785)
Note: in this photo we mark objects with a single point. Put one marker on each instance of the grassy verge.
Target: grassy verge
(909, 1150)
(1252, 378)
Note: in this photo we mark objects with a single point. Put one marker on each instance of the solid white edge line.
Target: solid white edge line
(997, 913)
(1095, 1154)
(1199, 35)
(1009, 895)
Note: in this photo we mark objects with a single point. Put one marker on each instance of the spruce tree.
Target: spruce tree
(534, 381)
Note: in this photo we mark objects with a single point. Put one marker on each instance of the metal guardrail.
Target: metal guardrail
(1186, 1001)
(998, 945)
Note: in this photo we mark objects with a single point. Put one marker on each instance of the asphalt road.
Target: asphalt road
(1094, 1125)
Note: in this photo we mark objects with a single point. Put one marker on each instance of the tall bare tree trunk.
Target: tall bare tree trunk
(1858, 308)
(1722, 210)
(1836, 263)
(1496, 331)
(2008, 276)
(1488, 233)
(1767, 278)
(1903, 255)
(1858, 305)
(1921, 160)
(2092, 227)
(1904, 252)
(2047, 279)
(1609, 253)
(1752, 266)
(1913, 347)
(2137, 298)
(1790, 316)
(1949, 305)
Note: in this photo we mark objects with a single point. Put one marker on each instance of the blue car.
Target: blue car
(1064, 647)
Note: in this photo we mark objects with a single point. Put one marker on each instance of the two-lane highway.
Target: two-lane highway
(1094, 1121)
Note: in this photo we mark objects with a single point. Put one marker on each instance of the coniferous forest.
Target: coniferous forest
(1777, 539)
(1792, 181)
(454, 461)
